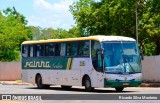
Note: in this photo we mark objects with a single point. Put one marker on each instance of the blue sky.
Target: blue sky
(43, 13)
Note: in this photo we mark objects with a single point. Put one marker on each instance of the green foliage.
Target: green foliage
(118, 17)
(35, 31)
(106, 17)
(49, 33)
(11, 36)
(150, 27)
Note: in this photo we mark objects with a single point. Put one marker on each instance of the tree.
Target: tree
(75, 32)
(149, 25)
(11, 36)
(49, 33)
(118, 17)
(108, 17)
(36, 31)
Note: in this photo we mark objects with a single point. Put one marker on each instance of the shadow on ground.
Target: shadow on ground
(74, 89)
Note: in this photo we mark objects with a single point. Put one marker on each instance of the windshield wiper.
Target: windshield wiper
(130, 65)
(114, 72)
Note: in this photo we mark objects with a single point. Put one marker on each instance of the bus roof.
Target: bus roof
(97, 38)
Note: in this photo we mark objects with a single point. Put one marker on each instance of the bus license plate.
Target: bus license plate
(125, 84)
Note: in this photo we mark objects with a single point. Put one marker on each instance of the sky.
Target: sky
(43, 13)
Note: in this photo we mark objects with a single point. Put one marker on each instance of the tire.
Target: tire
(40, 84)
(119, 89)
(66, 87)
(87, 84)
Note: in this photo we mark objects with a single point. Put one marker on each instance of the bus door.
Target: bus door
(100, 70)
(97, 62)
(98, 76)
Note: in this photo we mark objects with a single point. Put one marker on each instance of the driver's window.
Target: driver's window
(99, 57)
(95, 46)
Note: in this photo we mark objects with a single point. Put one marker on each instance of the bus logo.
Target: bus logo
(82, 63)
(35, 64)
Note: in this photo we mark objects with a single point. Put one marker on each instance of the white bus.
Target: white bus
(93, 62)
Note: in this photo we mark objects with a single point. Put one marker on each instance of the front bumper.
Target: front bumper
(122, 83)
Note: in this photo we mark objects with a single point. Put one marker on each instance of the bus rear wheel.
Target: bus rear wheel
(87, 84)
(119, 89)
(40, 84)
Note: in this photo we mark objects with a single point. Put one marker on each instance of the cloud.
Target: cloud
(55, 14)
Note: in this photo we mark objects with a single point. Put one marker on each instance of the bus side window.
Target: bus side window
(95, 46)
(39, 50)
(69, 49)
(31, 51)
(25, 50)
(86, 48)
(57, 49)
(46, 50)
(49, 50)
(72, 49)
(83, 49)
(63, 49)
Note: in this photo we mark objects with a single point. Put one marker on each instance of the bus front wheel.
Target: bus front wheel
(119, 89)
(87, 84)
(40, 84)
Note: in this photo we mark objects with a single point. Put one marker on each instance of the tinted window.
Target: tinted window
(57, 49)
(31, 51)
(49, 50)
(83, 48)
(72, 49)
(39, 50)
(63, 49)
(25, 50)
(95, 46)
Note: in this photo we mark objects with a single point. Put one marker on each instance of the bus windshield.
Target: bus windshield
(121, 57)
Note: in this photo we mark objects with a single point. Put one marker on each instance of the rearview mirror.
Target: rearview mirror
(142, 54)
(100, 51)
(100, 60)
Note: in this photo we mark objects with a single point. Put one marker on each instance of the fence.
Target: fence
(150, 69)
(10, 71)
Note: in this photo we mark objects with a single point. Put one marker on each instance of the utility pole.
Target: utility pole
(136, 24)
(24, 32)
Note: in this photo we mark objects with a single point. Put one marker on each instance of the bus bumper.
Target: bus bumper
(122, 83)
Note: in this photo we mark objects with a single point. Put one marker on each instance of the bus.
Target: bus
(92, 62)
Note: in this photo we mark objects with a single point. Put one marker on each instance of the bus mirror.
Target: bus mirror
(142, 54)
(100, 51)
(99, 61)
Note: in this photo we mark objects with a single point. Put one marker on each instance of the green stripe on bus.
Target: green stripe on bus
(45, 63)
(122, 83)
